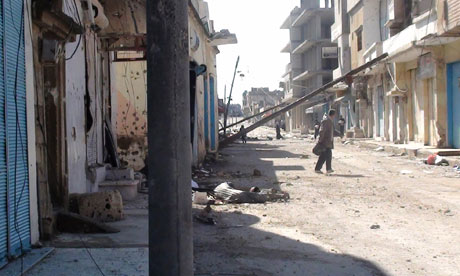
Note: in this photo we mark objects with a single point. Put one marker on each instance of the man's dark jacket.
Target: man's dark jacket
(327, 133)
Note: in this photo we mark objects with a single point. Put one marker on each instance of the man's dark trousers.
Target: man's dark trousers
(326, 156)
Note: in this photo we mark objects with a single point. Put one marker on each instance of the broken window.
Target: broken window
(359, 39)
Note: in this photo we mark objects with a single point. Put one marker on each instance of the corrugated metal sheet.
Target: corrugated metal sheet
(3, 186)
(15, 125)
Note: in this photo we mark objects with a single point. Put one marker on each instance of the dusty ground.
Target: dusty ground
(326, 227)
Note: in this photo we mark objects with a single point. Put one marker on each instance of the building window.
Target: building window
(359, 39)
(384, 32)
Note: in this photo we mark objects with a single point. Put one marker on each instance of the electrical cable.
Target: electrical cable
(393, 79)
(16, 200)
(91, 256)
(79, 37)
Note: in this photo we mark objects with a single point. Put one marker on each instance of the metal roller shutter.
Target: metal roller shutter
(14, 124)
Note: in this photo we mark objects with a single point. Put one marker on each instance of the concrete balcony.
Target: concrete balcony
(402, 47)
(312, 73)
(293, 95)
(307, 44)
(374, 51)
(287, 48)
(336, 31)
(306, 15)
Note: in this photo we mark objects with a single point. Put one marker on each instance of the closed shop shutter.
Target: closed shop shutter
(13, 131)
(3, 186)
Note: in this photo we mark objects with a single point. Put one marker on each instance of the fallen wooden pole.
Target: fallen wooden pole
(253, 116)
(300, 101)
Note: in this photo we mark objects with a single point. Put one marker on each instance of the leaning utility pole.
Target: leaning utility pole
(230, 97)
(307, 98)
(169, 155)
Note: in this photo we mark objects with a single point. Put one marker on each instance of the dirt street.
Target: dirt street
(378, 214)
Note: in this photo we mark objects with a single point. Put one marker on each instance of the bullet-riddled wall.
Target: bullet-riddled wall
(131, 115)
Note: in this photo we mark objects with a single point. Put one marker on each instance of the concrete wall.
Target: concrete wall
(371, 24)
(129, 88)
(75, 116)
(131, 119)
(356, 22)
(31, 148)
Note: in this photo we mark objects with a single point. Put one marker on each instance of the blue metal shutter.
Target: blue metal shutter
(3, 186)
(206, 112)
(213, 113)
(16, 129)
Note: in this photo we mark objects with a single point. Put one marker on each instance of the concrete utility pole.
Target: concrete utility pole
(169, 159)
(230, 97)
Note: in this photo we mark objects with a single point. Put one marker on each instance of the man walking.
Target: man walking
(342, 125)
(326, 139)
(278, 130)
(243, 136)
(317, 126)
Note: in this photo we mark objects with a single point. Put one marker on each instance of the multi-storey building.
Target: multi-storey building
(312, 57)
(413, 95)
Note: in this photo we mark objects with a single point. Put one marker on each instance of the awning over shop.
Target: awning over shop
(127, 26)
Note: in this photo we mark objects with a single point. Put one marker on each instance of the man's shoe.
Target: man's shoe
(330, 171)
(318, 172)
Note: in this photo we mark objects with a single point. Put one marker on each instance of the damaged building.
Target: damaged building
(131, 89)
(73, 91)
(412, 96)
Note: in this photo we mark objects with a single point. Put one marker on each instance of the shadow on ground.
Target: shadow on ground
(236, 247)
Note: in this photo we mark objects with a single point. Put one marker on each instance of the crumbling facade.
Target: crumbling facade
(412, 96)
(260, 99)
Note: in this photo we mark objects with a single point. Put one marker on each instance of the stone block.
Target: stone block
(104, 206)
(114, 174)
(127, 188)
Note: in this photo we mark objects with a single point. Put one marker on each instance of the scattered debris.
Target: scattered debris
(405, 172)
(380, 149)
(375, 226)
(205, 216)
(200, 198)
(229, 194)
(257, 173)
(435, 159)
(194, 184)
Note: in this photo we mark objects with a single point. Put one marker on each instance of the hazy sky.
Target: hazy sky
(260, 40)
